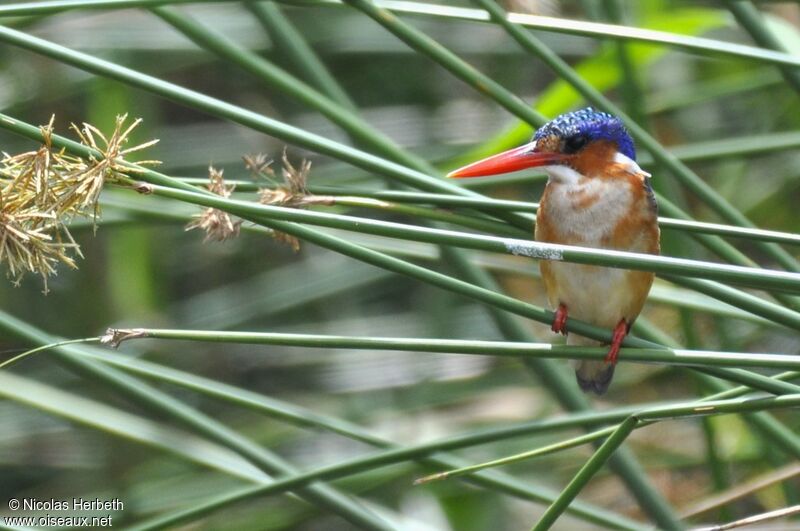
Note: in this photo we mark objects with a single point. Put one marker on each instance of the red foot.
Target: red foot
(560, 320)
(620, 332)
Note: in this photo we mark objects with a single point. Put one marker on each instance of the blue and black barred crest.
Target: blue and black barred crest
(592, 124)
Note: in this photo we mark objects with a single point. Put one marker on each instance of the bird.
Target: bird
(596, 196)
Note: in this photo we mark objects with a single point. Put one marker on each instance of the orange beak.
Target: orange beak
(508, 161)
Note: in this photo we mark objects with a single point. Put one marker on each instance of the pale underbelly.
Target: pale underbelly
(598, 295)
(600, 214)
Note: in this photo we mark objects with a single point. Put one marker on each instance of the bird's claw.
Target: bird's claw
(560, 320)
(620, 331)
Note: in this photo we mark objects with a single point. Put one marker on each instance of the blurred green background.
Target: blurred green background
(140, 270)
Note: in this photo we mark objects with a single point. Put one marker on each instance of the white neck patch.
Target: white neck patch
(629, 164)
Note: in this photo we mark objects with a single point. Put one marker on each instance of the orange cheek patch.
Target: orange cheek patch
(595, 159)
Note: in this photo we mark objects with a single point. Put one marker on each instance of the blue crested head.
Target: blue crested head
(578, 128)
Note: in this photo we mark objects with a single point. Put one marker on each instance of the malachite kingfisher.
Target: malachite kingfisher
(596, 196)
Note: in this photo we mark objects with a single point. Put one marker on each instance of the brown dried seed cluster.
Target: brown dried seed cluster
(217, 224)
(292, 192)
(41, 191)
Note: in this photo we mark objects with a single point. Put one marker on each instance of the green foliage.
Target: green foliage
(389, 347)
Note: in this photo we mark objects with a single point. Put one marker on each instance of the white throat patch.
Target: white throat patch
(566, 175)
(562, 174)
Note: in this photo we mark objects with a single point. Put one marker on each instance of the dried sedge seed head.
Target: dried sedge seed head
(217, 224)
(41, 176)
(259, 165)
(42, 190)
(33, 241)
(296, 178)
(294, 191)
(110, 164)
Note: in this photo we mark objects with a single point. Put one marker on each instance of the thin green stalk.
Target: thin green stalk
(300, 416)
(647, 416)
(630, 473)
(298, 53)
(273, 76)
(226, 110)
(232, 112)
(734, 147)
(664, 158)
(467, 73)
(157, 401)
(304, 417)
(586, 473)
(752, 379)
(750, 303)
(447, 59)
(698, 45)
(722, 392)
(662, 294)
(762, 278)
(751, 19)
(49, 7)
(238, 115)
(718, 407)
(624, 463)
(580, 440)
(740, 299)
(616, 435)
(490, 205)
(730, 230)
(589, 29)
(559, 25)
(632, 93)
(778, 434)
(473, 347)
(414, 212)
(399, 266)
(360, 464)
(715, 244)
(556, 379)
(716, 464)
(430, 453)
(122, 424)
(19, 357)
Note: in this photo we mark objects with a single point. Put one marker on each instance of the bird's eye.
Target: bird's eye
(574, 143)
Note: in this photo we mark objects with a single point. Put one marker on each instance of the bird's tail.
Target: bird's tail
(594, 376)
